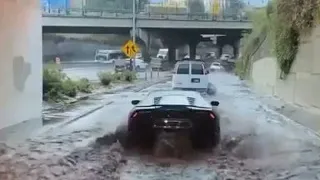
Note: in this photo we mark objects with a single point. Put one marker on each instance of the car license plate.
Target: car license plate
(195, 80)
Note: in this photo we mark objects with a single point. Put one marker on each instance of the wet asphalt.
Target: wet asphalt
(257, 143)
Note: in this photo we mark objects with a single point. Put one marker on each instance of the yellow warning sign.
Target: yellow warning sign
(216, 7)
(130, 49)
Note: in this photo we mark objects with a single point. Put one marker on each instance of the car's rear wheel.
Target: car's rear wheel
(207, 140)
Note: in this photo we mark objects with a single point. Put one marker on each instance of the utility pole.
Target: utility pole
(134, 17)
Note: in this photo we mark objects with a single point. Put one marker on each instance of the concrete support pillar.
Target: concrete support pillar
(236, 48)
(220, 50)
(192, 50)
(20, 68)
(172, 53)
(144, 40)
(145, 36)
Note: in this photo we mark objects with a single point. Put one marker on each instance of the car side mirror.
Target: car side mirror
(135, 102)
(206, 72)
(214, 103)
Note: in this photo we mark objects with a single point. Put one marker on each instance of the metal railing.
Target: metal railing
(164, 13)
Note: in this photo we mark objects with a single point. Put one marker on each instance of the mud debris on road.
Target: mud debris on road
(97, 161)
(256, 144)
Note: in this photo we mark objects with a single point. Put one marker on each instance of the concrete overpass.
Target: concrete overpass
(76, 24)
(174, 29)
(85, 22)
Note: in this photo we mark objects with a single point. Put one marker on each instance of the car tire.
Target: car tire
(125, 138)
(215, 140)
(208, 140)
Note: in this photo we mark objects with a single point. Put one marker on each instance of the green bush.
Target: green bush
(69, 88)
(56, 84)
(252, 42)
(84, 85)
(52, 83)
(105, 78)
(286, 47)
(288, 22)
(129, 76)
(118, 76)
(293, 19)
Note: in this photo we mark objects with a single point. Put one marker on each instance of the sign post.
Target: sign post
(134, 5)
(130, 49)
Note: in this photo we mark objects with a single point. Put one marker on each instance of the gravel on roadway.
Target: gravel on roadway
(257, 143)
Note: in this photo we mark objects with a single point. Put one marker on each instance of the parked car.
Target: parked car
(139, 64)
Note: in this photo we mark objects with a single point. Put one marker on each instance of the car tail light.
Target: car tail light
(212, 116)
(134, 114)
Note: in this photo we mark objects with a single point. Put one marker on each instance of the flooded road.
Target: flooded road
(256, 144)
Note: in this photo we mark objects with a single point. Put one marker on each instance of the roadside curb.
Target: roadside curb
(109, 91)
(309, 130)
(73, 119)
(92, 110)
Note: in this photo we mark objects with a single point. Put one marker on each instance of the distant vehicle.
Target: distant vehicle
(140, 64)
(225, 57)
(210, 55)
(120, 65)
(171, 111)
(139, 56)
(163, 53)
(216, 66)
(109, 56)
(186, 57)
(190, 74)
(160, 64)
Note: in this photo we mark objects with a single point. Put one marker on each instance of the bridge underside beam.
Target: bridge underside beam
(85, 30)
(237, 32)
(20, 69)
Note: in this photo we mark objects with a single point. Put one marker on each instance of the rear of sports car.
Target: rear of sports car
(201, 124)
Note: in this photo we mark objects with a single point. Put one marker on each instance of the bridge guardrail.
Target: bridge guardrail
(122, 13)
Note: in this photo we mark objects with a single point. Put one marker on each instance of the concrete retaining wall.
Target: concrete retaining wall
(302, 86)
(20, 66)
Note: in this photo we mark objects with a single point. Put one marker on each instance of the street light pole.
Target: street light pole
(134, 17)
